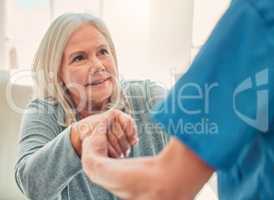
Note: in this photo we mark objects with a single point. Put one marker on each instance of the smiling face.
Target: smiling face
(88, 68)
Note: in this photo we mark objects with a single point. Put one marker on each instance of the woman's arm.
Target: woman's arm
(48, 156)
(176, 173)
(47, 161)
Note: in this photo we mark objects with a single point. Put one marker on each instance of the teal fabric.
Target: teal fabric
(47, 166)
(237, 140)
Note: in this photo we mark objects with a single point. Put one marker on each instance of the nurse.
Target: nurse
(238, 62)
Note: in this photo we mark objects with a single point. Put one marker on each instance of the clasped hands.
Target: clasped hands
(100, 140)
(111, 134)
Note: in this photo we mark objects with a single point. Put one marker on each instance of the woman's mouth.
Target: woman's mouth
(98, 82)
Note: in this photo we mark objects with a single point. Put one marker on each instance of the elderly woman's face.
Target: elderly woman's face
(88, 66)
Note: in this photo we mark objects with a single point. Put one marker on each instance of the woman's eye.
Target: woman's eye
(104, 52)
(78, 58)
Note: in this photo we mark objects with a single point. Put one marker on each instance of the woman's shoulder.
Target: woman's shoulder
(44, 111)
(144, 92)
(146, 86)
(42, 104)
(45, 108)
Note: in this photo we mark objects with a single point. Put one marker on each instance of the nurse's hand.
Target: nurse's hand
(118, 127)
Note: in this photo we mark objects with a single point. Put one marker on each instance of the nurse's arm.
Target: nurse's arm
(176, 173)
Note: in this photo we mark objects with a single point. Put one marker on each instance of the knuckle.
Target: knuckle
(115, 112)
(120, 136)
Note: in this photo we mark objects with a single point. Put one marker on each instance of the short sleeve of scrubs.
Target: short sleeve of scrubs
(222, 102)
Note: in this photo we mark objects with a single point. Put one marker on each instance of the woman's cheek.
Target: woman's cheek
(78, 77)
(112, 69)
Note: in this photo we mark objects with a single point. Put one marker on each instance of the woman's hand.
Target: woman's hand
(121, 135)
(118, 127)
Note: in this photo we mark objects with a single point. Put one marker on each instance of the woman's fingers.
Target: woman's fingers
(118, 127)
(131, 129)
(121, 137)
(112, 152)
(112, 139)
(128, 125)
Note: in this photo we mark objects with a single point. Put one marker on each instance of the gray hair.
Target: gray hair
(48, 58)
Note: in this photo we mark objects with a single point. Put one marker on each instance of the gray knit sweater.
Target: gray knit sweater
(48, 167)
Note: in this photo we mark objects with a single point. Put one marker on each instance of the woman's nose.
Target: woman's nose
(98, 69)
(96, 66)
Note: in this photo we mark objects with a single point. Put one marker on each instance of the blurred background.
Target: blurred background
(155, 39)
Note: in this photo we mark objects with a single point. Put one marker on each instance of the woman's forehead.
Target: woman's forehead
(85, 36)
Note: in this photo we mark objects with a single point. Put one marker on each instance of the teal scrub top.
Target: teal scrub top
(222, 108)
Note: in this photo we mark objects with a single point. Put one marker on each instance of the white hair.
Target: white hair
(48, 59)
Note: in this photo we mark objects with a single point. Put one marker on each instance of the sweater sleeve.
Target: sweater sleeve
(47, 161)
(155, 94)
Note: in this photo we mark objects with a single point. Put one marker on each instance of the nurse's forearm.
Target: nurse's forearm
(176, 173)
(125, 177)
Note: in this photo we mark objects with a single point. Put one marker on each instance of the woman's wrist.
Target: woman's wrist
(79, 130)
(75, 139)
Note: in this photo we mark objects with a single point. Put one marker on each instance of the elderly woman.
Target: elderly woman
(77, 88)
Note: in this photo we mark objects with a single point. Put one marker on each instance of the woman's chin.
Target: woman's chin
(99, 96)
(99, 92)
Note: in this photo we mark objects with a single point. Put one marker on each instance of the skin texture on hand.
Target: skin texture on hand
(176, 173)
(75, 141)
(118, 127)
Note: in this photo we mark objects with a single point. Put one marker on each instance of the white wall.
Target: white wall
(128, 22)
(171, 35)
(204, 20)
(152, 37)
(3, 53)
(91, 6)
(9, 123)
